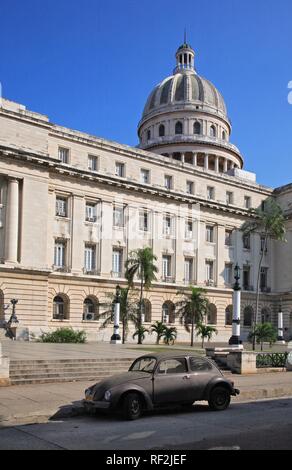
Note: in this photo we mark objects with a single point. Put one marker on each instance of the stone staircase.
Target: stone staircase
(65, 370)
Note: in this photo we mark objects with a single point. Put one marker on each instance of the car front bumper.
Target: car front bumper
(96, 405)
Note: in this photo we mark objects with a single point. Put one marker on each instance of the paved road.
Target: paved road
(257, 425)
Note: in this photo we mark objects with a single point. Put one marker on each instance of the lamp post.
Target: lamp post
(235, 338)
(280, 326)
(13, 320)
(116, 339)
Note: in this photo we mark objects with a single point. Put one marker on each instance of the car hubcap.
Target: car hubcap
(135, 407)
(221, 399)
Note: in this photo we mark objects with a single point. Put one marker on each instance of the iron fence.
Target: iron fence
(276, 360)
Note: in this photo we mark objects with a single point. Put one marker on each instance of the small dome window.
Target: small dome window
(178, 128)
(161, 130)
(213, 131)
(223, 135)
(148, 135)
(197, 128)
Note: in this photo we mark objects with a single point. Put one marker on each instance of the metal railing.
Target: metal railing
(273, 360)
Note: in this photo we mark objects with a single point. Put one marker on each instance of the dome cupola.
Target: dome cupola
(185, 112)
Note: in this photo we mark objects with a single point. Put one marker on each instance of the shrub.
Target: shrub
(64, 335)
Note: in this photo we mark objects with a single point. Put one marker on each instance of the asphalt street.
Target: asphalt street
(257, 425)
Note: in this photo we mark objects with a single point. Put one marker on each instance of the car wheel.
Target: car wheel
(132, 406)
(219, 399)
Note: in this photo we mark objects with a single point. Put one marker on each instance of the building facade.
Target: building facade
(73, 206)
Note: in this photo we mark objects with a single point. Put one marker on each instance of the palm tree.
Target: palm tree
(141, 333)
(141, 263)
(264, 333)
(269, 223)
(128, 311)
(159, 329)
(170, 335)
(205, 331)
(192, 309)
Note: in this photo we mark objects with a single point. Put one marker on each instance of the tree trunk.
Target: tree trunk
(203, 342)
(192, 338)
(258, 292)
(140, 309)
(124, 330)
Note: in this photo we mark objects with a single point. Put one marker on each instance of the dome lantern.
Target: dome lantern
(185, 59)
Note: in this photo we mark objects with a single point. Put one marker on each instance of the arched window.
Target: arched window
(223, 135)
(168, 312)
(161, 130)
(178, 128)
(60, 308)
(148, 135)
(213, 131)
(147, 311)
(90, 309)
(266, 316)
(247, 316)
(229, 315)
(197, 128)
(2, 313)
(212, 315)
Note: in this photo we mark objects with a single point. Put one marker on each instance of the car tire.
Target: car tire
(219, 399)
(132, 406)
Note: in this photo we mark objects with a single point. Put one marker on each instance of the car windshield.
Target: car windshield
(145, 364)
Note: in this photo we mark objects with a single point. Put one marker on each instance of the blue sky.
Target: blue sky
(91, 64)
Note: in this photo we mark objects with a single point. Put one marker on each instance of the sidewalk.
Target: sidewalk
(38, 403)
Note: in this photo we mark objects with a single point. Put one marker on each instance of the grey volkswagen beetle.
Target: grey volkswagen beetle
(162, 380)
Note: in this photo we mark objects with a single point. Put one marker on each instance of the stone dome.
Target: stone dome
(187, 89)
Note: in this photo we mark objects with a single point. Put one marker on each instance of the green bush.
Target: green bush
(64, 335)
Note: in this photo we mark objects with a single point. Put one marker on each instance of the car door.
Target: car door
(171, 382)
(201, 372)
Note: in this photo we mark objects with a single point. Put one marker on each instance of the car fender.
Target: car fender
(213, 383)
(119, 391)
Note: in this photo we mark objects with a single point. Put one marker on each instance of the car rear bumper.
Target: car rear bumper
(96, 405)
(235, 392)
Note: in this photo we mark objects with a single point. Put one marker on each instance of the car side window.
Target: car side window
(172, 366)
(199, 365)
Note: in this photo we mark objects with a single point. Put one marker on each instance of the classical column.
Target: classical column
(12, 221)
(280, 327)
(225, 165)
(235, 338)
(195, 159)
(217, 164)
(183, 157)
(206, 163)
(232, 165)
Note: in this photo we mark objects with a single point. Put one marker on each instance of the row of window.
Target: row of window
(91, 310)
(197, 130)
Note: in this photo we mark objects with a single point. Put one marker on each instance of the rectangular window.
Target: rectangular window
(61, 207)
(166, 267)
(118, 217)
(92, 162)
(228, 237)
(264, 279)
(167, 225)
(210, 234)
(228, 274)
(246, 242)
(209, 271)
(120, 169)
(117, 263)
(145, 176)
(144, 221)
(190, 187)
(229, 198)
(90, 258)
(168, 182)
(63, 155)
(188, 268)
(59, 254)
(210, 193)
(264, 245)
(247, 202)
(90, 212)
(246, 278)
(189, 230)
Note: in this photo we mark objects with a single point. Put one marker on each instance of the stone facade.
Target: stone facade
(72, 207)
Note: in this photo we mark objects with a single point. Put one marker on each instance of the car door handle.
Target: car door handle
(186, 377)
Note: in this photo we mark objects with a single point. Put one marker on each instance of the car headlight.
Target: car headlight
(107, 395)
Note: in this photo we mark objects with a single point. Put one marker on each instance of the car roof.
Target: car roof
(170, 354)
